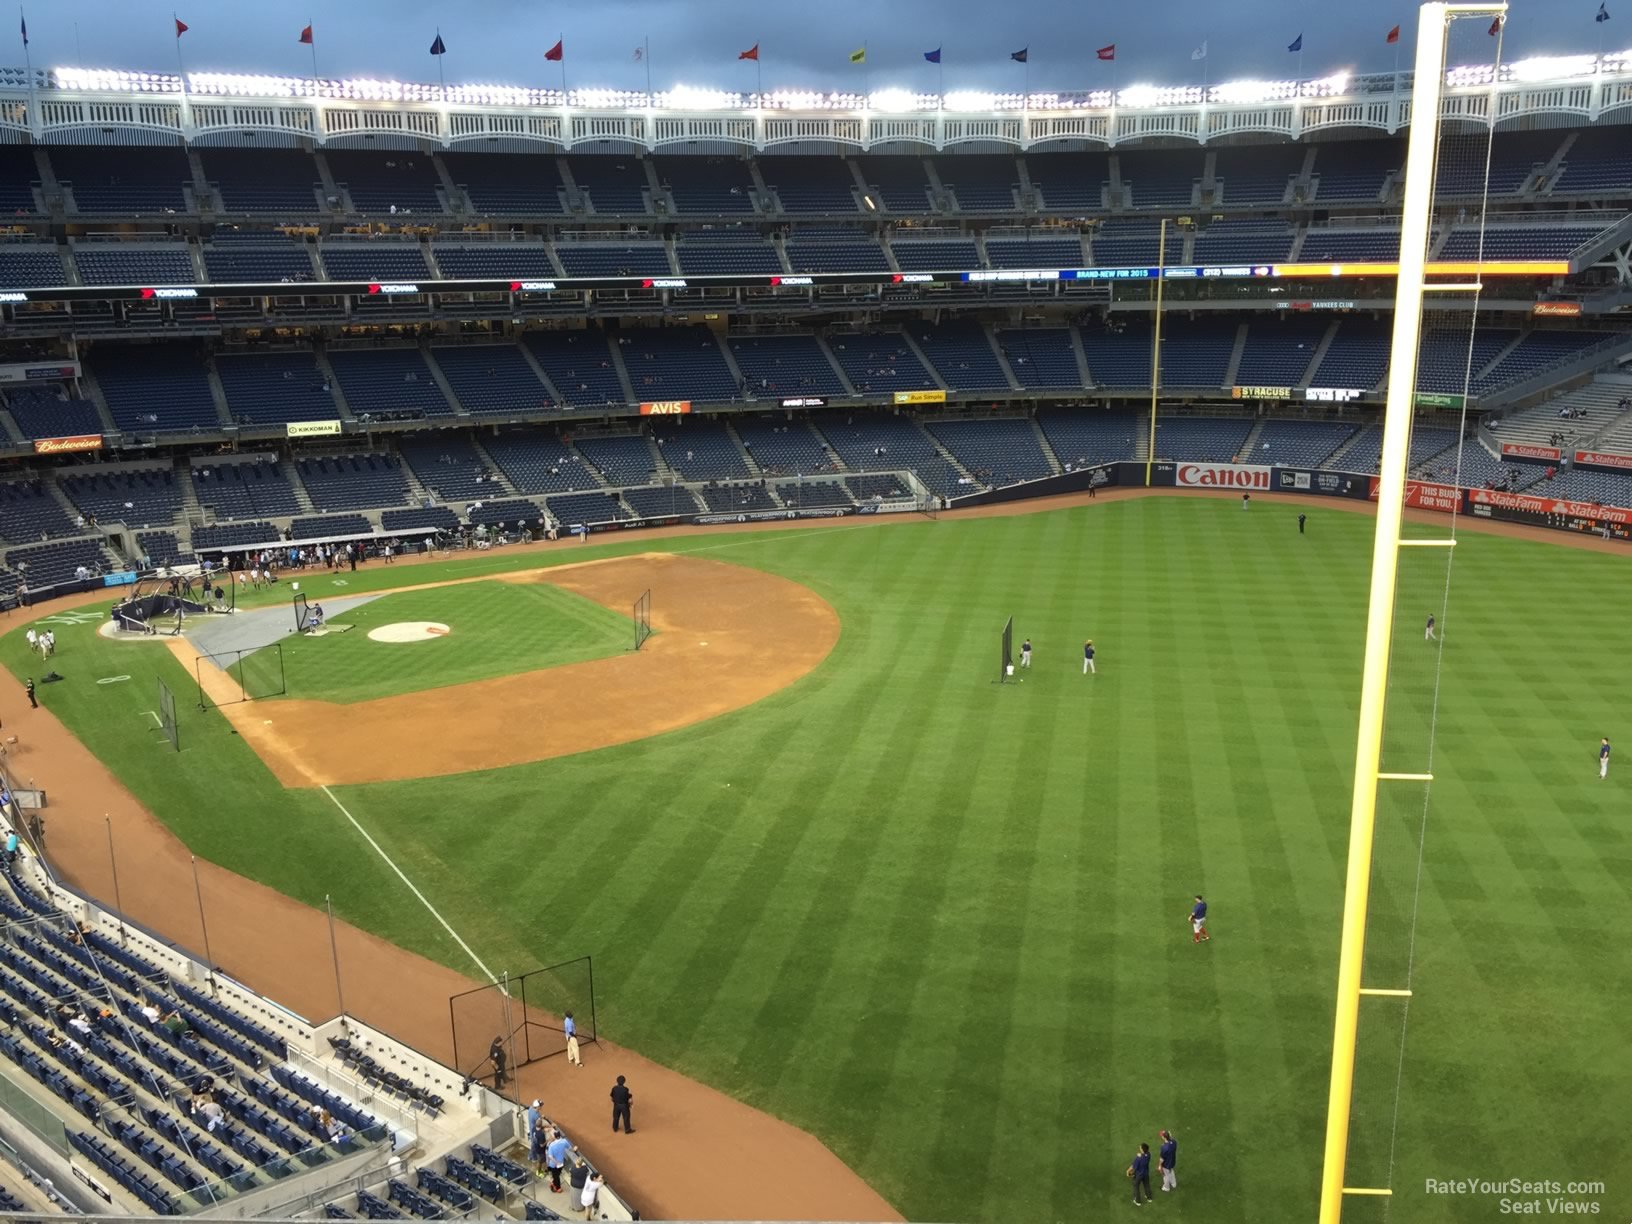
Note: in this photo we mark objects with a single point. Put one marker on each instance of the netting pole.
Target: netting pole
(113, 866)
(1156, 344)
(1417, 216)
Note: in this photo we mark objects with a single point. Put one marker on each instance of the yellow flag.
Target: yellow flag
(859, 57)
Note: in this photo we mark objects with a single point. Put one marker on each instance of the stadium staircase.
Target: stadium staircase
(218, 393)
(441, 379)
(730, 358)
(747, 455)
(322, 358)
(1549, 173)
(764, 201)
(1082, 356)
(297, 486)
(203, 198)
(494, 471)
(1234, 365)
(1047, 447)
(1500, 355)
(838, 370)
(1308, 379)
(9, 426)
(331, 189)
(624, 381)
(923, 357)
(571, 193)
(450, 189)
(1250, 447)
(1360, 439)
(777, 242)
(951, 460)
(538, 373)
(418, 494)
(990, 332)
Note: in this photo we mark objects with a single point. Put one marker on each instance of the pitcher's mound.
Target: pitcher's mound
(409, 631)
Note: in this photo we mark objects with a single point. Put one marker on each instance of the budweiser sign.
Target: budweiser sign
(1603, 459)
(1221, 476)
(1425, 495)
(1523, 450)
(65, 446)
(1565, 310)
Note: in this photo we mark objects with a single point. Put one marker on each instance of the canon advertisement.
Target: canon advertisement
(1243, 476)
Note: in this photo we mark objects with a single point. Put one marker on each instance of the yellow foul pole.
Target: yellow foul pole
(1402, 378)
(1156, 344)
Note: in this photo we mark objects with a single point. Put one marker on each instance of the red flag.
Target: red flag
(1393, 35)
(306, 36)
(555, 52)
(752, 53)
(1495, 27)
(1107, 53)
(181, 27)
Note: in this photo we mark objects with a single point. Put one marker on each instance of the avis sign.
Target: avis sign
(1221, 476)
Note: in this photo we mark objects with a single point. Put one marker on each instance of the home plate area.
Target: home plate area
(409, 631)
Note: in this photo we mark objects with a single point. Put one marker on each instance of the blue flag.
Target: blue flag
(1296, 44)
(934, 56)
(1019, 56)
(439, 47)
(25, 28)
(1603, 13)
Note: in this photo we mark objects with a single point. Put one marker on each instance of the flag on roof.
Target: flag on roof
(1393, 35)
(1200, 53)
(25, 27)
(1495, 26)
(1296, 44)
(555, 53)
(1107, 52)
(859, 55)
(752, 53)
(640, 54)
(934, 56)
(306, 36)
(439, 47)
(1603, 13)
(1019, 56)
(181, 27)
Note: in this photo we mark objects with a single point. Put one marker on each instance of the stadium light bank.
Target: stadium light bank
(886, 100)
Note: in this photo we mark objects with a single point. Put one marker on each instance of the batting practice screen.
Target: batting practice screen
(1008, 651)
(167, 716)
(302, 616)
(525, 1015)
(642, 614)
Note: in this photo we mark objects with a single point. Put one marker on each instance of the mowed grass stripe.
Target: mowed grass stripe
(962, 962)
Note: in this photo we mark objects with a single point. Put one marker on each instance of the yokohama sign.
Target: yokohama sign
(1221, 476)
(1603, 459)
(1423, 495)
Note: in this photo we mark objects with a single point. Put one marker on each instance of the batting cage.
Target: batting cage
(522, 1017)
(244, 675)
(167, 716)
(1006, 669)
(642, 615)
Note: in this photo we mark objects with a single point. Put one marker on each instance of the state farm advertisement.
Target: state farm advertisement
(1524, 450)
(1244, 476)
(1522, 502)
(1603, 459)
(1425, 495)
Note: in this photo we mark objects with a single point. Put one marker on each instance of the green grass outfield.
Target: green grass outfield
(939, 922)
(497, 628)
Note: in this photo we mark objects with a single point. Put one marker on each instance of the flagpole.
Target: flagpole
(311, 26)
(646, 45)
(561, 38)
(441, 78)
(28, 64)
(181, 72)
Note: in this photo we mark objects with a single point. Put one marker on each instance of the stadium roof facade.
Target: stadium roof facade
(91, 105)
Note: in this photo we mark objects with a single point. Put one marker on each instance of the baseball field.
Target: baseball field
(827, 865)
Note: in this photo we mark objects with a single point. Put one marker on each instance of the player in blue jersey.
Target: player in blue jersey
(1088, 658)
(1603, 757)
(1198, 921)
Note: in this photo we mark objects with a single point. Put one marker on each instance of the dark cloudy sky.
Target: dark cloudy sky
(804, 43)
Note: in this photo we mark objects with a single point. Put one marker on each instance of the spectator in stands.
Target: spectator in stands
(591, 1195)
(577, 1175)
(11, 848)
(177, 1024)
(537, 1146)
(211, 1113)
(532, 1115)
(556, 1156)
(80, 1024)
(149, 1012)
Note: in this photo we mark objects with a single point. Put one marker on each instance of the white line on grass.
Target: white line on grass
(794, 535)
(491, 976)
(154, 717)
